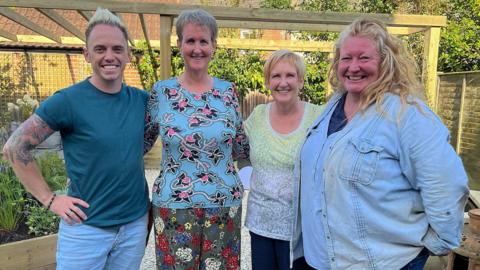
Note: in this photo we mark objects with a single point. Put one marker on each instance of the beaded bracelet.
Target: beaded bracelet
(51, 201)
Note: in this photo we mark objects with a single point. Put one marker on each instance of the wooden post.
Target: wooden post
(165, 48)
(460, 115)
(149, 46)
(430, 59)
(329, 90)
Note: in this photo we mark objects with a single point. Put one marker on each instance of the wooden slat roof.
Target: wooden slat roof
(64, 21)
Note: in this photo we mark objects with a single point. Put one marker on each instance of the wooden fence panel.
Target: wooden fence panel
(459, 108)
(251, 100)
(449, 99)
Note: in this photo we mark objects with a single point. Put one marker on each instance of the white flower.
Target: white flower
(32, 102)
(184, 254)
(11, 107)
(159, 225)
(212, 264)
(233, 211)
(27, 99)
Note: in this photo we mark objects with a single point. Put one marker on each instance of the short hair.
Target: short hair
(199, 17)
(397, 68)
(281, 55)
(104, 16)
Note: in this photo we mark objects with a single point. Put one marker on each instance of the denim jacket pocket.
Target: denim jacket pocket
(360, 159)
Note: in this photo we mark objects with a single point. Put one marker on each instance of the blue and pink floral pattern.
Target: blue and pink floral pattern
(201, 135)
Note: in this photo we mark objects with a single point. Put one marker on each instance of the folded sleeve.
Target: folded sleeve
(432, 166)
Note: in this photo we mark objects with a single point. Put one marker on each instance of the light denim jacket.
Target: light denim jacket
(392, 185)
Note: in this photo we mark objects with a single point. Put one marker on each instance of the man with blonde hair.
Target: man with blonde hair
(101, 121)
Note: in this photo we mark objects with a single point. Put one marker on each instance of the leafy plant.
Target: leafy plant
(22, 109)
(53, 170)
(3, 136)
(41, 221)
(315, 78)
(12, 200)
(460, 45)
(148, 64)
(242, 67)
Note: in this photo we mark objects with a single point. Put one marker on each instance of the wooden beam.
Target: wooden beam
(235, 14)
(144, 26)
(232, 43)
(262, 44)
(329, 90)
(34, 39)
(72, 41)
(430, 59)
(149, 46)
(280, 26)
(42, 39)
(130, 40)
(273, 45)
(24, 21)
(458, 145)
(402, 31)
(87, 15)
(60, 20)
(165, 48)
(306, 27)
(8, 35)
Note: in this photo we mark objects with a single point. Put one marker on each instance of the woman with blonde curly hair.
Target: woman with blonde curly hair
(381, 187)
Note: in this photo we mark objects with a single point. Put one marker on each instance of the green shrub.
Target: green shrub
(16, 203)
(53, 170)
(12, 200)
(41, 221)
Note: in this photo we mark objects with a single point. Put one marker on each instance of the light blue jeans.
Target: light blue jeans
(82, 246)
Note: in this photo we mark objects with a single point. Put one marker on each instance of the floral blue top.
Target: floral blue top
(201, 134)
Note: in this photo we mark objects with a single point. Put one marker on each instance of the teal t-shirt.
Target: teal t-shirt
(102, 136)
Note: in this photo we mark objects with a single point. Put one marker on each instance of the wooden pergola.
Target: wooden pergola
(244, 18)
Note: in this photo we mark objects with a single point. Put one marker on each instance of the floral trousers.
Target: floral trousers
(198, 238)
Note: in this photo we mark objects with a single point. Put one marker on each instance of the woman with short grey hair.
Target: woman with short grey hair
(197, 196)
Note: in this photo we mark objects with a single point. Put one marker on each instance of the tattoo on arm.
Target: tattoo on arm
(26, 137)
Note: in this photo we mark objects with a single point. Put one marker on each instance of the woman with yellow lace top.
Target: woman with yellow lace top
(276, 131)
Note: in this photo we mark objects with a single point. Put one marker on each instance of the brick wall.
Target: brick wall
(459, 108)
(273, 34)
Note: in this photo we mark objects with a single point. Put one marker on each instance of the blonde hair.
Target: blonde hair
(280, 55)
(397, 68)
(104, 16)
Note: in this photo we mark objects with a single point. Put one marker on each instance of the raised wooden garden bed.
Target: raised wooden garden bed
(32, 254)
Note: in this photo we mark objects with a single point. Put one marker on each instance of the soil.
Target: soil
(11, 236)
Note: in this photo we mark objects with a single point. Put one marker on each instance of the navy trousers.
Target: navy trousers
(273, 254)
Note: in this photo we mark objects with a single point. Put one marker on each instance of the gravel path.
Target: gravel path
(148, 262)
